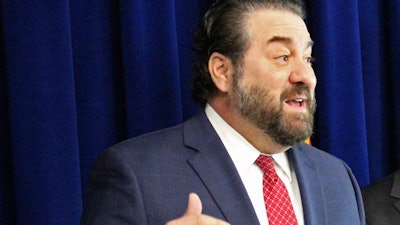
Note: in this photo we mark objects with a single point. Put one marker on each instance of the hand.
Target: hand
(193, 214)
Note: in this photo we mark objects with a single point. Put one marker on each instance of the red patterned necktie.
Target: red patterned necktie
(277, 201)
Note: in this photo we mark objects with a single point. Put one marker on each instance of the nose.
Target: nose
(302, 72)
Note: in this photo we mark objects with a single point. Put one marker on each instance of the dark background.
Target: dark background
(77, 76)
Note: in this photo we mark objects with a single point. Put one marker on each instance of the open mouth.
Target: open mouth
(296, 102)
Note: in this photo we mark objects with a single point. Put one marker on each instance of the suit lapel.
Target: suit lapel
(310, 187)
(215, 168)
(395, 192)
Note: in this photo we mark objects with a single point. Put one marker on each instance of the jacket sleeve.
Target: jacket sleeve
(113, 196)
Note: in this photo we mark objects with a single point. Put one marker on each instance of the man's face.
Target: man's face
(274, 89)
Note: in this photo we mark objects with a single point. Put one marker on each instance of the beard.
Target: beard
(263, 110)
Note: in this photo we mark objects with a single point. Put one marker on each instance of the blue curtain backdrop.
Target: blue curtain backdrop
(77, 76)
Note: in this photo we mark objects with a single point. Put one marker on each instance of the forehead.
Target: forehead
(265, 24)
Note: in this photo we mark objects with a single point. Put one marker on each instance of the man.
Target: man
(256, 81)
(382, 200)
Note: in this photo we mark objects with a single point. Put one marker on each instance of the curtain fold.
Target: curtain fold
(100, 98)
(40, 76)
(376, 85)
(152, 81)
(393, 35)
(77, 76)
(341, 123)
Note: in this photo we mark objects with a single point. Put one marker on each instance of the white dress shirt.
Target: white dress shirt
(244, 155)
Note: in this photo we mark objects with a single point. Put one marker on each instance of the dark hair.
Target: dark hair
(223, 31)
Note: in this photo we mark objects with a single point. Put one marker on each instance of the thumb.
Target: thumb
(194, 205)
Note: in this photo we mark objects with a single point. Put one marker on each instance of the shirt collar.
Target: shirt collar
(242, 153)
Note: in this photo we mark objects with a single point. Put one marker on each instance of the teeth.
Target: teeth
(299, 100)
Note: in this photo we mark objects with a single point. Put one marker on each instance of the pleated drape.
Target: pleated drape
(77, 76)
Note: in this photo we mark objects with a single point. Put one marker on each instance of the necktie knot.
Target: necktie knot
(266, 164)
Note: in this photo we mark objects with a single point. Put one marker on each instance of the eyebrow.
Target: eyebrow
(286, 40)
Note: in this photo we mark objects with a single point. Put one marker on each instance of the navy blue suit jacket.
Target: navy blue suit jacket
(146, 181)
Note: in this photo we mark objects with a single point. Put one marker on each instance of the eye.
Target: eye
(310, 60)
(283, 58)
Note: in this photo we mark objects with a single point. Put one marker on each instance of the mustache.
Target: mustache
(298, 89)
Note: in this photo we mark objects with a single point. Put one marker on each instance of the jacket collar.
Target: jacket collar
(310, 187)
(213, 165)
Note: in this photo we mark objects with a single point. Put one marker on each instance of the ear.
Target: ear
(221, 70)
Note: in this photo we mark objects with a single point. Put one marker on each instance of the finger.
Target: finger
(193, 214)
(194, 205)
(208, 220)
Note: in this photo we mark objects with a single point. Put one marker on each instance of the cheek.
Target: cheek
(313, 78)
(264, 75)
(315, 81)
(313, 84)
